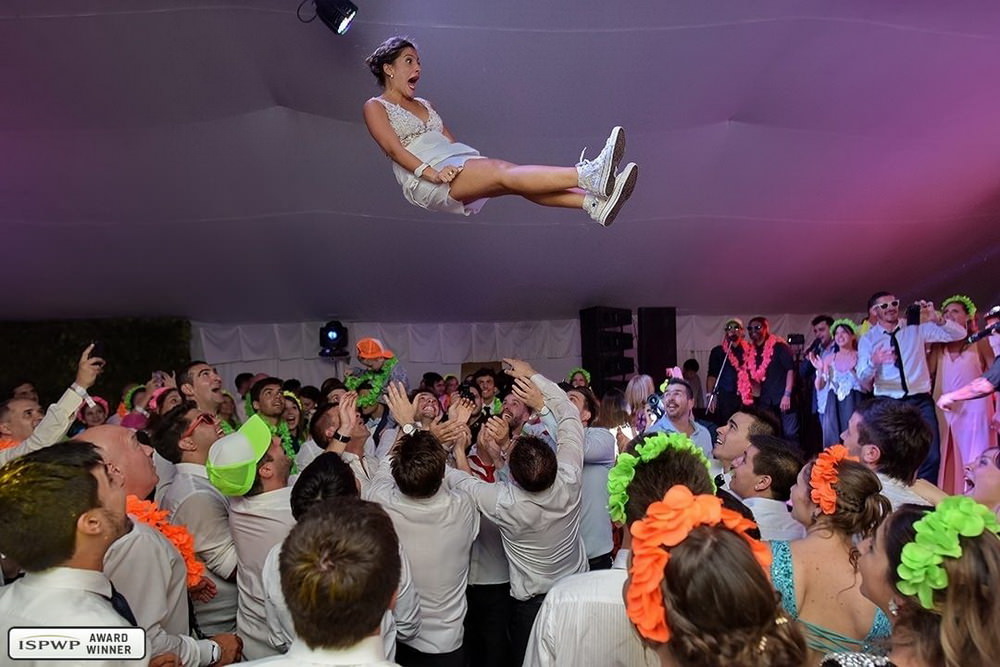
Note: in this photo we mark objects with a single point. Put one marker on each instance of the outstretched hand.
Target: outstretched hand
(517, 368)
(461, 409)
(400, 407)
(88, 368)
(527, 391)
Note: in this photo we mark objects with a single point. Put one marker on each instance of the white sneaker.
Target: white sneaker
(597, 176)
(604, 211)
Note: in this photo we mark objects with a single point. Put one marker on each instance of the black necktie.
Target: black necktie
(899, 359)
(120, 604)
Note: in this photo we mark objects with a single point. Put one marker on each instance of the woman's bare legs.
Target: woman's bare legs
(572, 198)
(493, 178)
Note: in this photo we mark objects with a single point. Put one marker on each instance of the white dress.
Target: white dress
(427, 141)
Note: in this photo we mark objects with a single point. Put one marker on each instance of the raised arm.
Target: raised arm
(569, 428)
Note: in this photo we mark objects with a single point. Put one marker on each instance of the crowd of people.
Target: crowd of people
(512, 519)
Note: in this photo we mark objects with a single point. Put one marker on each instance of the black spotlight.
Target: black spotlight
(336, 14)
(333, 340)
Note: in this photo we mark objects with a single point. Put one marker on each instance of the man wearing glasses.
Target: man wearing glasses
(723, 400)
(891, 359)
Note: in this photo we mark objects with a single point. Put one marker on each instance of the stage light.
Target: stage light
(336, 14)
(333, 339)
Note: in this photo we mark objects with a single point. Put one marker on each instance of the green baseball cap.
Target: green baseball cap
(232, 460)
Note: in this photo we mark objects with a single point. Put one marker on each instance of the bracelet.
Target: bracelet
(341, 438)
(82, 393)
(420, 170)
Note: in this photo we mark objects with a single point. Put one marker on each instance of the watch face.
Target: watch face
(408, 429)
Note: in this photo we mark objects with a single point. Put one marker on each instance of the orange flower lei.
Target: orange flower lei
(667, 523)
(824, 476)
(151, 515)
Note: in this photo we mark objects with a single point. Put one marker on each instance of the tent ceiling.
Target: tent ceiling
(209, 160)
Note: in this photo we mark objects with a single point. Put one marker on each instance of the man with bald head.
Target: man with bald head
(146, 567)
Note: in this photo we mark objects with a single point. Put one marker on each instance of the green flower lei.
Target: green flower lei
(377, 379)
(844, 322)
(970, 307)
(621, 475)
(287, 442)
(921, 569)
(582, 371)
(226, 427)
(129, 399)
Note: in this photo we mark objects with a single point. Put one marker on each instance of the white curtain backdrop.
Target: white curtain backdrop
(290, 350)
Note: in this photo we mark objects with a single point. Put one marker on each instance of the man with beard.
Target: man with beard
(62, 508)
(892, 358)
(721, 381)
(776, 375)
(678, 402)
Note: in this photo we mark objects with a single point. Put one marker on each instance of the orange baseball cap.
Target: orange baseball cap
(373, 348)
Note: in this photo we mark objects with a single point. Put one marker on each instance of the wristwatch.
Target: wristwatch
(341, 438)
(410, 429)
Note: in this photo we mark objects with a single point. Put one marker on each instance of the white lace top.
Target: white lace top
(406, 125)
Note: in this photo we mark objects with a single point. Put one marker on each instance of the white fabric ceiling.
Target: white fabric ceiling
(209, 160)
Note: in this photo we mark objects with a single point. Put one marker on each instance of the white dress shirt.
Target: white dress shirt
(149, 571)
(307, 454)
(61, 596)
(541, 531)
(257, 523)
(50, 430)
(583, 622)
(898, 493)
(912, 340)
(194, 502)
(402, 622)
(436, 533)
(774, 520)
(366, 653)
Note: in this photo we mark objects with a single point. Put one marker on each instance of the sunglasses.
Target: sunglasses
(756, 327)
(733, 327)
(202, 418)
(888, 304)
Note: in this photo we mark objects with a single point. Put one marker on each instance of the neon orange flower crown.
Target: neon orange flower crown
(824, 475)
(667, 523)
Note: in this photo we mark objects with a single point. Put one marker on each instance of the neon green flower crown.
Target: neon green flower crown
(622, 474)
(970, 307)
(921, 568)
(844, 322)
(582, 371)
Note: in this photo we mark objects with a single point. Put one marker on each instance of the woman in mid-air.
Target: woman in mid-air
(441, 174)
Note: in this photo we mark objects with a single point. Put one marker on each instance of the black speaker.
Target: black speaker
(603, 346)
(657, 348)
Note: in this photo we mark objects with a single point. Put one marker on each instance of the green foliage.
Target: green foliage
(47, 352)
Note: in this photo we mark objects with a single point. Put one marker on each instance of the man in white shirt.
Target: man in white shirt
(337, 427)
(339, 573)
(763, 478)
(732, 439)
(678, 403)
(184, 436)
(538, 512)
(252, 468)
(25, 428)
(52, 526)
(436, 526)
(892, 358)
(147, 568)
(582, 620)
(892, 438)
(329, 478)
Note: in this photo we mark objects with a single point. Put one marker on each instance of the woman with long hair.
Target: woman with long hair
(698, 591)
(934, 572)
(637, 393)
(982, 479)
(965, 429)
(440, 174)
(836, 372)
(838, 500)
